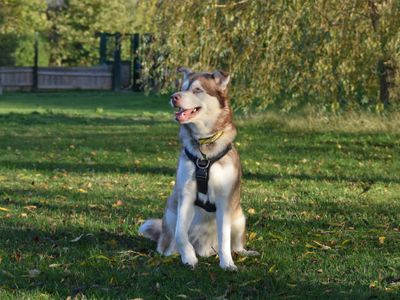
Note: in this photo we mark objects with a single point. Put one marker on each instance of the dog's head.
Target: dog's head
(202, 98)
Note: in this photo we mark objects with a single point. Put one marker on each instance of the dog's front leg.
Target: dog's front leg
(184, 219)
(224, 236)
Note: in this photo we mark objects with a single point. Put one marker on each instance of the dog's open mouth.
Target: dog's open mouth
(183, 115)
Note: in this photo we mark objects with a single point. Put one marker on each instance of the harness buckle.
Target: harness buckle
(202, 173)
(202, 164)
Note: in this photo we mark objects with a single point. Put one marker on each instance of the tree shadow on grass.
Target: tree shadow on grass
(142, 136)
(87, 100)
(67, 267)
(320, 177)
(37, 118)
(67, 201)
(119, 265)
(87, 168)
(169, 171)
(326, 215)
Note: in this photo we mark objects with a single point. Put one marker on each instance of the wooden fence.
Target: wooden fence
(57, 78)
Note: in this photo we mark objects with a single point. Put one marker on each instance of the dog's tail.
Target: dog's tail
(151, 229)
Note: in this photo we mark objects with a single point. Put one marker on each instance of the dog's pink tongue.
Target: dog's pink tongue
(183, 115)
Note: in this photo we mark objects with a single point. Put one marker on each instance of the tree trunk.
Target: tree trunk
(382, 68)
(383, 74)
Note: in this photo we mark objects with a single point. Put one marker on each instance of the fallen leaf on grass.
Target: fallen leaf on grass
(4, 209)
(249, 282)
(382, 239)
(394, 285)
(102, 257)
(30, 207)
(34, 273)
(113, 243)
(272, 269)
(241, 259)
(55, 266)
(308, 253)
(24, 215)
(252, 235)
(318, 246)
(276, 236)
(6, 216)
(8, 274)
(251, 211)
(17, 256)
(345, 242)
(118, 203)
(213, 276)
(76, 239)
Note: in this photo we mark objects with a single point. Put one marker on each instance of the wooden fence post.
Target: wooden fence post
(35, 81)
(135, 43)
(117, 63)
(103, 48)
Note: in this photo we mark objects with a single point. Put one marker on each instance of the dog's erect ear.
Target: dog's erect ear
(186, 72)
(221, 78)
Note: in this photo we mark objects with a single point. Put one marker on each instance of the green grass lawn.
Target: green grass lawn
(79, 172)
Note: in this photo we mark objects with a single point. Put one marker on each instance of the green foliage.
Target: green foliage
(72, 34)
(19, 19)
(24, 54)
(8, 46)
(68, 28)
(22, 16)
(321, 195)
(284, 53)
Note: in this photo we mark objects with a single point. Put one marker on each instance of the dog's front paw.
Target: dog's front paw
(228, 266)
(190, 260)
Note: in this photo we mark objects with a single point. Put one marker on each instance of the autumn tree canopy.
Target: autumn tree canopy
(327, 53)
(287, 53)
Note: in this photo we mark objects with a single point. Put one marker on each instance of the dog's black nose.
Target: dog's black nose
(175, 99)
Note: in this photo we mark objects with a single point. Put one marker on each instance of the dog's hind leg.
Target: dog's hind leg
(238, 236)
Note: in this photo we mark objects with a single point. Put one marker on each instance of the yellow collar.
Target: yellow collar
(211, 139)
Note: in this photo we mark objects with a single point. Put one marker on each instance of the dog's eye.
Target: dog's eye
(197, 90)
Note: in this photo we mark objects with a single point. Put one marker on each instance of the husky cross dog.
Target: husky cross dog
(203, 214)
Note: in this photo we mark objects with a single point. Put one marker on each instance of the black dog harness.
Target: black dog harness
(202, 175)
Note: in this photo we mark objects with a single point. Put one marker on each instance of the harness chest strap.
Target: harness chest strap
(202, 175)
